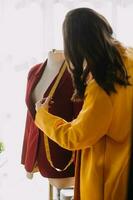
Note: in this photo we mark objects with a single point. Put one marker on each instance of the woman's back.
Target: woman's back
(108, 159)
(119, 139)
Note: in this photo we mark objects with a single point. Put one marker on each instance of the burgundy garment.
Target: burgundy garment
(33, 150)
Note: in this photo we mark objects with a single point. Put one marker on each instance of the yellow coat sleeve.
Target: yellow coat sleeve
(90, 125)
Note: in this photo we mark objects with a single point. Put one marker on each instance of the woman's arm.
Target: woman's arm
(90, 125)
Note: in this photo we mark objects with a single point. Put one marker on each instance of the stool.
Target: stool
(62, 193)
(67, 194)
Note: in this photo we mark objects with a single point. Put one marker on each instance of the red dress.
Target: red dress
(33, 150)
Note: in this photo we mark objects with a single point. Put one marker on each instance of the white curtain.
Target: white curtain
(28, 30)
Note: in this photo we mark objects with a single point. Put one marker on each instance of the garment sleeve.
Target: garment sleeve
(90, 125)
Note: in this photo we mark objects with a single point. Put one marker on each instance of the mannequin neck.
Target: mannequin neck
(55, 59)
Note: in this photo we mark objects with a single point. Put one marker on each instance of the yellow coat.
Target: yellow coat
(102, 131)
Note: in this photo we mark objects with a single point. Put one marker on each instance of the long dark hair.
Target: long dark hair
(88, 36)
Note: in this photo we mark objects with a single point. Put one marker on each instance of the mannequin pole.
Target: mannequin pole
(50, 192)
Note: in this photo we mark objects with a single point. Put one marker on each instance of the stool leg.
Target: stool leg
(50, 192)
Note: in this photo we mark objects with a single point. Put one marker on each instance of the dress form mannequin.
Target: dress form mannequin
(54, 62)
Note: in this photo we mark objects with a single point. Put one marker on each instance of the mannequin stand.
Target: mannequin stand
(50, 192)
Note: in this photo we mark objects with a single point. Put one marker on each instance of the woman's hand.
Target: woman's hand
(45, 103)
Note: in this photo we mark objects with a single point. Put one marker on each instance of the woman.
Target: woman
(102, 71)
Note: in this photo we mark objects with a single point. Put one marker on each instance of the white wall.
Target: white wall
(28, 30)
